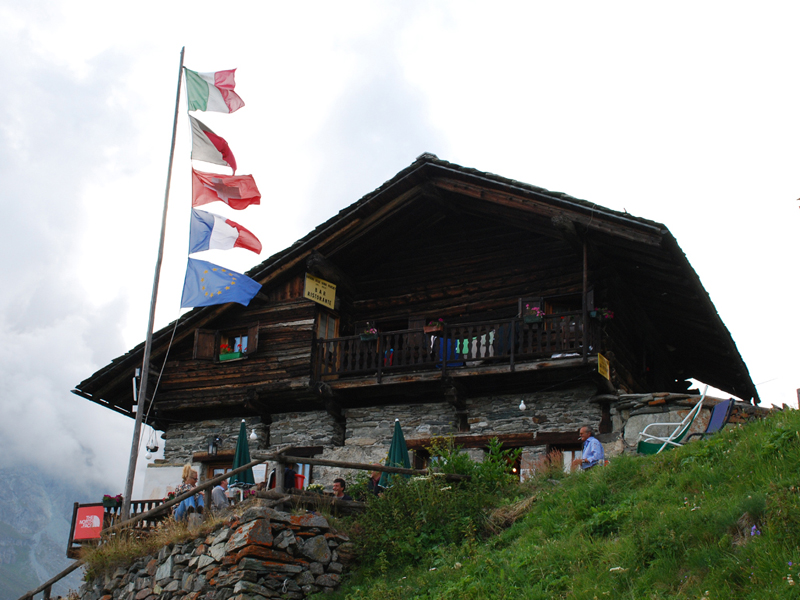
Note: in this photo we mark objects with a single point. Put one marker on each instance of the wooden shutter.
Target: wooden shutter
(205, 344)
(252, 339)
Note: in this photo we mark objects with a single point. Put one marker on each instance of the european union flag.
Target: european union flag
(207, 284)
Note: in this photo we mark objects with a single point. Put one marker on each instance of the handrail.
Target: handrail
(279, 457)
(150, 513)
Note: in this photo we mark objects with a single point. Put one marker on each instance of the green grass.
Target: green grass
(717, 519)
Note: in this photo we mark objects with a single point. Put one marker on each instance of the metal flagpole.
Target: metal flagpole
(140, 401)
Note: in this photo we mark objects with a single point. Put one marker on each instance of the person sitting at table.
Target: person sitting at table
(339, 486)
(192, 503)
(219, 500)
(372, 483)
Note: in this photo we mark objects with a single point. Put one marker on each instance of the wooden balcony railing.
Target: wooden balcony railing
(509, 341)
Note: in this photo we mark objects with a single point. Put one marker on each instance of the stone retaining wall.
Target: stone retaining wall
(264, 553)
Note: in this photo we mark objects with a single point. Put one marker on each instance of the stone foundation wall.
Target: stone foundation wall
(262, 554)
(561, 410)
(182, 440)
(367, 432)
(316, 428)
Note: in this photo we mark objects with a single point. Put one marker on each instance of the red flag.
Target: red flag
(237, 191)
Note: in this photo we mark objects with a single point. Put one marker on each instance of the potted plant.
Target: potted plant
(316, 488)
(370, 333)
(434, 326)
(227, 353)
(601, 314)
(112, 501)
(532, 314)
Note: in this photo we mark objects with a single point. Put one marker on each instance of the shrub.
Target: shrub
(418, 514)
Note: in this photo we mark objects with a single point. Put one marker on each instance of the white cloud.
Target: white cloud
(682, 115)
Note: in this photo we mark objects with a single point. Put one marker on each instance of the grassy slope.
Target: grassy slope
(716, 519)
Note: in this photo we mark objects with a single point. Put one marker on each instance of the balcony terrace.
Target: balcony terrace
(511, 344)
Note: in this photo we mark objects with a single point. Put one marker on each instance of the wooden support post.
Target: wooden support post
(280, 474)
(380, 356)
(444, 351)
(513, 338)
(585, 302)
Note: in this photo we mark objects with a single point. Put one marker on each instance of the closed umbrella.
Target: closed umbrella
(241, 458)
(398, 454)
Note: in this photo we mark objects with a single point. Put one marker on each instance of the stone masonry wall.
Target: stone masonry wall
(182, 440)
(315, 428)
(368, 431)
(263, 553)
(560, 410)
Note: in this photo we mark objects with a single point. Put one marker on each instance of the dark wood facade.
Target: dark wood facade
(441, 241)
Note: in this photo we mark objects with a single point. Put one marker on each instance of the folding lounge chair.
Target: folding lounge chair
(653, 444)
(719, 416)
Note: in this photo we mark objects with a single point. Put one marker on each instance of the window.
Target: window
(327, 325)
(209, 344)
(233, 341)
(215, 469)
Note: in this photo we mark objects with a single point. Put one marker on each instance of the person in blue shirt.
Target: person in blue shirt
(592, 449)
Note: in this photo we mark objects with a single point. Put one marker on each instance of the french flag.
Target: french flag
(212, 232)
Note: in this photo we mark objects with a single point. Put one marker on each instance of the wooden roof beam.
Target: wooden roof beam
(595, 221)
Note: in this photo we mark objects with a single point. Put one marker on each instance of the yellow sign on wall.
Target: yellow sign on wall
(320, 291)
(603, 367)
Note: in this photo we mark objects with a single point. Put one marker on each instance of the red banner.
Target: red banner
(88, 523)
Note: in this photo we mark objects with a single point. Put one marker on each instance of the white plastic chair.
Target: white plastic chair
(650, 443)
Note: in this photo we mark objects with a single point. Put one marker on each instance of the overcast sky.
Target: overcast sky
(684, 113)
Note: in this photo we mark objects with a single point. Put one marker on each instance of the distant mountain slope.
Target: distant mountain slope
(34, 529)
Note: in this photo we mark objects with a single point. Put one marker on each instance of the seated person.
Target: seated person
(192, 503)
(372, 483)
(219, 500)
(339, 486)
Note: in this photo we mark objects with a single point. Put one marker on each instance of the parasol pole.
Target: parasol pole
(140, 400)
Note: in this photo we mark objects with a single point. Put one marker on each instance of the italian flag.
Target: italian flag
(212, 91)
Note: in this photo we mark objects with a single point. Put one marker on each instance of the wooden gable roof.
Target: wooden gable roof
(642, 254)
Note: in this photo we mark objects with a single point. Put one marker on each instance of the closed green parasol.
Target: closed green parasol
(241, 458)
(398, 455)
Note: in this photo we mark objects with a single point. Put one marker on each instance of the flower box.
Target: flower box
(365, 337)
(434, 329)
(111, 502)
(230, 356)
(601, 314)
(532, 319)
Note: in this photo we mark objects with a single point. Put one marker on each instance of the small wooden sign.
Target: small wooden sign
(603, 366)
(320, 291)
